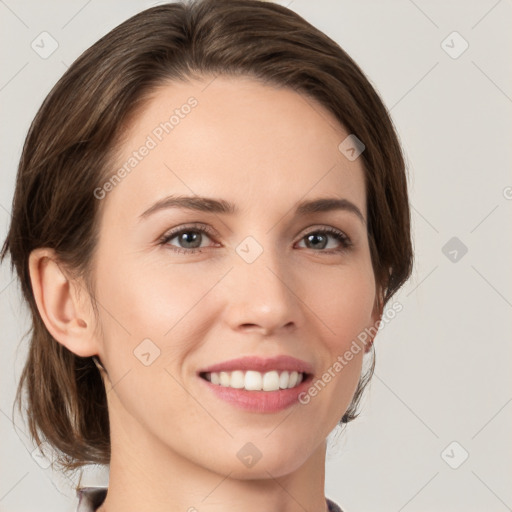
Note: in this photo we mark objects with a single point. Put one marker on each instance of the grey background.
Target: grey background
(443, 363)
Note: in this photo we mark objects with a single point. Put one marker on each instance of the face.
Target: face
(182, 289)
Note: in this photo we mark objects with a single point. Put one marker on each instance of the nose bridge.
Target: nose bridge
(262, 293)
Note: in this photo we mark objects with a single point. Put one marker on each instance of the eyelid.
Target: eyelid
(192, 227)
(323, 227)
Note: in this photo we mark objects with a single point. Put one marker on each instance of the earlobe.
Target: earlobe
(378, 310)
(64, 315)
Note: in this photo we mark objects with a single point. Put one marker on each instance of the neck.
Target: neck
(146, 475)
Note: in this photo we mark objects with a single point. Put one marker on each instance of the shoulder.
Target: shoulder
(333, 507)
(90, 498)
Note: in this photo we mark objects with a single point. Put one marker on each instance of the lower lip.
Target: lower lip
(259, 401)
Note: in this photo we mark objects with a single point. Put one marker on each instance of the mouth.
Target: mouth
(252, 380)
(257, 392)
(256, 384)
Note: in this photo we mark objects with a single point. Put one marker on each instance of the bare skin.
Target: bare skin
(174, 443)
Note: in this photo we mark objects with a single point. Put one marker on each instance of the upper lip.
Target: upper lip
(260, 364)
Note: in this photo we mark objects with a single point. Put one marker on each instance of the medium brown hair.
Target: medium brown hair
(69, 151)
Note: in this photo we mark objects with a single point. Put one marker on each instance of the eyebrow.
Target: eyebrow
(220, 206)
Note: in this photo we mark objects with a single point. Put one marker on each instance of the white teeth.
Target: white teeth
(256, 381)
(253, 381)
(271, 381)
(283, 379)
(237, 380)
(224, 379)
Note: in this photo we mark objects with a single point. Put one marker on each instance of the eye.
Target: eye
(318, 240)
(190, 239)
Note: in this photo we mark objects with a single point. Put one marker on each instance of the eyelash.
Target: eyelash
(164, 240)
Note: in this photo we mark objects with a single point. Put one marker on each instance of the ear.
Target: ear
(67, 316)
(378, 310)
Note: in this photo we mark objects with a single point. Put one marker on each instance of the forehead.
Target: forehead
(234, 138)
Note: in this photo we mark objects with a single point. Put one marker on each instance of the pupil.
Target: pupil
(189, 237)
(316, 238)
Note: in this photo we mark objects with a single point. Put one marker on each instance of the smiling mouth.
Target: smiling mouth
(249, 380)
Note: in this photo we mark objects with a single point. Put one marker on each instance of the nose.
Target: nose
(260, 295)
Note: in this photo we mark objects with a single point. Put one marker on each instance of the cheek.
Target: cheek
(343, 300)
(148, 299)
(157, 302)
(344, 306)
(145, 318)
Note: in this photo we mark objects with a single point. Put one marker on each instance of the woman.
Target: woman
(210, 215)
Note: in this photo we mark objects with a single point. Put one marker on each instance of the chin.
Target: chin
(274, 458)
